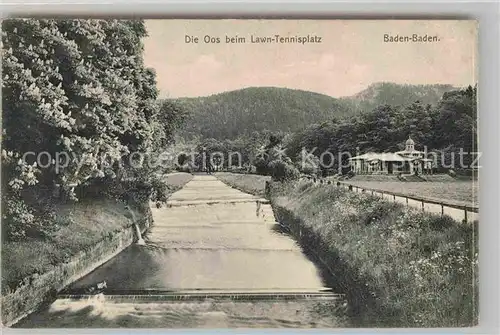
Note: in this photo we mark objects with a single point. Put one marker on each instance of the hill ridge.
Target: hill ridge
(230, 114)
(258, 109)
(253, 87)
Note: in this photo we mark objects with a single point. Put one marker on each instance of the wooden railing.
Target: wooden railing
(459, 212)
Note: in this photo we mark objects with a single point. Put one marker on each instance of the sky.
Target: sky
(351, 56)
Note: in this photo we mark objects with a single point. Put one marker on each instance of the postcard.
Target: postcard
(239, 173)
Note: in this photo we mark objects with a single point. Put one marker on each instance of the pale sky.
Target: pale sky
(352, 55)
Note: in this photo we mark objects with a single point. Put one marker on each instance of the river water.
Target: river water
(212, 240)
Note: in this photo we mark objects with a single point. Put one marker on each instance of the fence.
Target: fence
(461, 213)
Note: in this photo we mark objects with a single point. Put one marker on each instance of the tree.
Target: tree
(457, 118)
(447, 127)
(257, 109)
(455, 128)
(415, 120)
(81, 92)
(172, 117)
(376, 130)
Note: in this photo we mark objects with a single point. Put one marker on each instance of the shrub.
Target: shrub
(251, 169)
(22, 219)
(261, 166)
(25, 212)
(16, 218)
(282, 171)
(309, 166)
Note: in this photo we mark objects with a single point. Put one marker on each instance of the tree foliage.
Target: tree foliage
(172, 117)
(386, 93)
(241, 112)
(78, 91)
(446, 127)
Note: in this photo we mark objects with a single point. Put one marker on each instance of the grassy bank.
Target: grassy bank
(398, 267)
(81, 225)
(249, 183)
(177, 180)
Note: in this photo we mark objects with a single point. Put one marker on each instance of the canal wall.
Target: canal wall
(38, 290)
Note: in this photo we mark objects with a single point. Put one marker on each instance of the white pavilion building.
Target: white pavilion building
(408, 161)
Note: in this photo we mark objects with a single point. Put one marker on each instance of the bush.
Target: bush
(282, 171)
(22, 219)
(309, 170)
(26, 209)
(309, 166)
(261, 166)
(16, 218)
(251, 169)
(137, 191)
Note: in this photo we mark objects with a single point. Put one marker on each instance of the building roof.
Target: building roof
(386, 157)
(406, 152)
(399, 156)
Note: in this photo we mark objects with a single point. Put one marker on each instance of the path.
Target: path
(210, 241)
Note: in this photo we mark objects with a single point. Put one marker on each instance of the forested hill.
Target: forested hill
(385, 93)
(231, 114)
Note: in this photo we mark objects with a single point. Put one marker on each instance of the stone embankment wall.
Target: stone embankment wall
(40, 289)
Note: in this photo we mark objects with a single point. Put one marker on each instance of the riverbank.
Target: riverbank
(94, 233)
(252, 276)
(398, 267)
(90, 232)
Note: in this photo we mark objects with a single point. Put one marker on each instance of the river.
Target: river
(213, 242)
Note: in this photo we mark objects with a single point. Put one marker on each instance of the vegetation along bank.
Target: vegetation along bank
(398, 266)
(63, 97)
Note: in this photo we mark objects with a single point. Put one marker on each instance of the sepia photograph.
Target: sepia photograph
(239, 173)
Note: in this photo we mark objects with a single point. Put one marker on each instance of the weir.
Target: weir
(140, 240)
(215, 249)
(204, 296)
(138, 234)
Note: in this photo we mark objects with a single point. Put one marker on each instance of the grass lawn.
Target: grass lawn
(460, 192)
(177, 180)
(249, 183)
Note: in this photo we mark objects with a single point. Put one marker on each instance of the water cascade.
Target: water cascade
(138, 234)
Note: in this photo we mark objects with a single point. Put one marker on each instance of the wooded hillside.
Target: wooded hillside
(385, 93)
(231, 114)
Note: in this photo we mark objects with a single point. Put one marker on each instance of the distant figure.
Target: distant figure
(210, 168)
